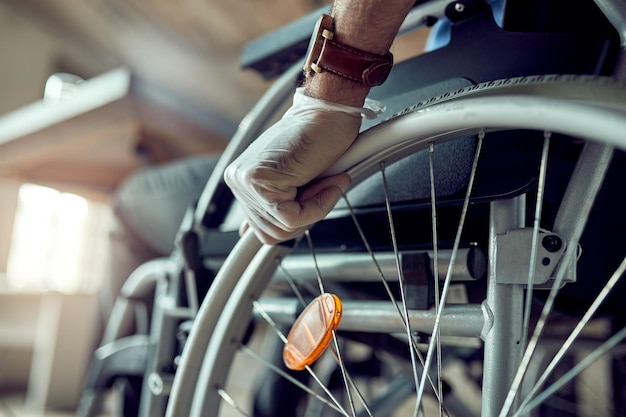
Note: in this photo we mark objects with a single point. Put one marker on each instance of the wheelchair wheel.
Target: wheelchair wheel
(537, 206)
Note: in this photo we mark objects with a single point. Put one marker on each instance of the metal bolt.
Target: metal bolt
(160, 384)
(552, 243)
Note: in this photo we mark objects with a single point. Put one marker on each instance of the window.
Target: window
(59, 241)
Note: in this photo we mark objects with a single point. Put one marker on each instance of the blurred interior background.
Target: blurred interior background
(91, 91)
(156, 81)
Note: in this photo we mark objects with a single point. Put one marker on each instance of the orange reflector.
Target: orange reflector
(312, 332)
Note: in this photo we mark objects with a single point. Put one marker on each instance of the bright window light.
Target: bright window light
(53, 247)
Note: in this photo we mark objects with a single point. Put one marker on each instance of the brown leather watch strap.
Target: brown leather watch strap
(354, 64)
(326, 54)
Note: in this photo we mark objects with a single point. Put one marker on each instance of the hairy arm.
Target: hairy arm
(370, 25)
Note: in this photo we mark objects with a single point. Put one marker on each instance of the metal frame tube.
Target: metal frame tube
(466, 320)
(503, 348)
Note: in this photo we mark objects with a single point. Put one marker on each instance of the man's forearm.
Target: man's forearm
(369, 25)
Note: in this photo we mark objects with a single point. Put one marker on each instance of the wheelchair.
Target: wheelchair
(484, 227)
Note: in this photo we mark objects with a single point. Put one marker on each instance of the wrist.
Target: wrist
(304, 102)
(330, 87)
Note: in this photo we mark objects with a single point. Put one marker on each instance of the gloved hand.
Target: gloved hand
(272, 178)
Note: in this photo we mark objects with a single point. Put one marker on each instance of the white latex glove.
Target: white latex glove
(272, 178)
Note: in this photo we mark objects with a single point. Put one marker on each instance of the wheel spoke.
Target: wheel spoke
(291, 379)
(336, 351)
(535, 239)
(569, 342)
(231, 402)
(401, 284)
(576, 370)
(259, 308)
(446, 285)
(433, 210)
(392, 298)
(593, 154)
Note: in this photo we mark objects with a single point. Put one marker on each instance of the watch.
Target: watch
(325, 54)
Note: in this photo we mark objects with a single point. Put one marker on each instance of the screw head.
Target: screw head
(552, 243)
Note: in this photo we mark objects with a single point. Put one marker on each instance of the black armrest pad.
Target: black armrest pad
(273, 53)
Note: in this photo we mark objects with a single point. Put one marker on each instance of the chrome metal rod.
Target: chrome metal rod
(466, 320)
(470, 264)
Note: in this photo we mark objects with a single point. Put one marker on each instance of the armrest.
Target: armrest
(271, 54)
